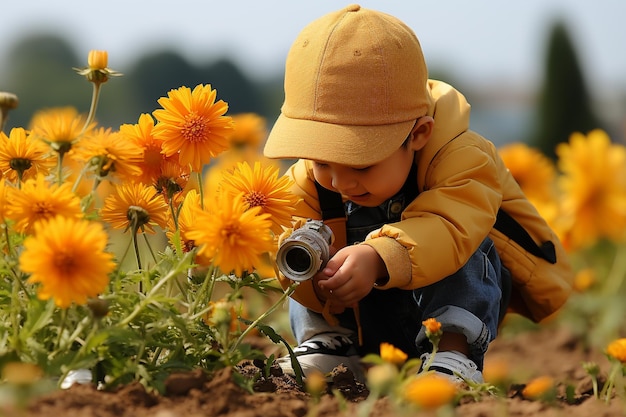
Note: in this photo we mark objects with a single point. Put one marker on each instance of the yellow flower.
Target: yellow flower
(21, 373)
(594, 188)
(97, 60)
(534, 172)
(249, 131)
(39, 200)
(262, 187)
(135, 206)
(584, 279)
(22, 157)
(109, 153)
(142, 135)
(232, 235)
(59, 127)
(193, 124)
(390, 353)
(97, 71)
(430, 391)
(67, 257)
(617, 350)
(539, 388)
(432, 326)
(173, 178)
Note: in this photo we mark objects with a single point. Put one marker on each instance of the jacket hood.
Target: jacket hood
(451, 113)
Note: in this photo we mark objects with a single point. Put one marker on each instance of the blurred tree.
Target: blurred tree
(39, 72)
(565, 105)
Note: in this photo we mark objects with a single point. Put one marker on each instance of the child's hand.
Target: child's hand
(350, 275)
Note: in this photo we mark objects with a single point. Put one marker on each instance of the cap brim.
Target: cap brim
(333, 143)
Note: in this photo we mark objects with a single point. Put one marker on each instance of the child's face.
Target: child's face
(367, 186)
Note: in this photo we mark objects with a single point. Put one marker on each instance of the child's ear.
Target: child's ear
(421, 132)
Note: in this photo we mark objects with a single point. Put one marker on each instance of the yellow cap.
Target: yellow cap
(355, 82)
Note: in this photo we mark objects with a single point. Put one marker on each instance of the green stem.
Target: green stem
(608, 386)
(94, 105)
(201, 189)
(145, 238)
(207, 286)
(617, 272)
(269, 311)
(61, 328)
(178, 268)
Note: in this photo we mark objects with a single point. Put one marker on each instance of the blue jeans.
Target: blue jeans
(470, 302)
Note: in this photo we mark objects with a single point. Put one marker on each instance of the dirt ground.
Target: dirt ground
(548, 352)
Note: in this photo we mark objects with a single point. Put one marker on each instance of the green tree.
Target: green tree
(40, 74)
(565, 105)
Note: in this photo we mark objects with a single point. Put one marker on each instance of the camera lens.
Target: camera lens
(298, 259)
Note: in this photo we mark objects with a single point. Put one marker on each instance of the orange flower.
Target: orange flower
(262, 187)
(135, 206)
(142, 135)
(617, 350)
(67, 257)
(594, 188)
(539, 388)
(193, 124)
(59, 127)
(249, 130)
(430, 391)
(232, 235)
(22, 157)
(534, 172)
(390, 353)
(432, 326)
(97, 60)
(39, 200)
(109, 153)
(584, 279)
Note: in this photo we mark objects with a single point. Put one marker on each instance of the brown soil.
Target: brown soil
(549, 352)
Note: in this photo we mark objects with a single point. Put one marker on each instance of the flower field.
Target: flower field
(142, 256)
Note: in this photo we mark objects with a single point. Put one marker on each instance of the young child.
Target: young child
(428, 221)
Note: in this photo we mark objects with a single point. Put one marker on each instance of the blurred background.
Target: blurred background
(534, 71)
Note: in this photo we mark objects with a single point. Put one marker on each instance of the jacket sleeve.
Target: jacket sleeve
(455, 210)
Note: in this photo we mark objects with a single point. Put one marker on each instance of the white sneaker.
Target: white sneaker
(453, 365)
(323, 353)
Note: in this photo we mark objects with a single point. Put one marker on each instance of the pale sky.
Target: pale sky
(478, 41)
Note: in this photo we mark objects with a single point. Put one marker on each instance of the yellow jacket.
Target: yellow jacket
(462, 184)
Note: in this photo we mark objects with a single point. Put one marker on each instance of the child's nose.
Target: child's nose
(342, 181)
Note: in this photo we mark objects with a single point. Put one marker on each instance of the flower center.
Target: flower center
(255, 199)
(194, 128)
(230, 233)
(137, 217)
(20, 164)
(43, 208)
(64, 262)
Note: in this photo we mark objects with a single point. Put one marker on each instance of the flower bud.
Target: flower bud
(430, 391)
(8, 101)
(381, 378)
(97, 60)
(390, 353)
(540, 388)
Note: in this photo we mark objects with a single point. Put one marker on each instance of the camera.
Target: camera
(305, 251)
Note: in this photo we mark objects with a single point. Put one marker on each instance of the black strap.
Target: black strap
(515, 231)
(331, 203)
